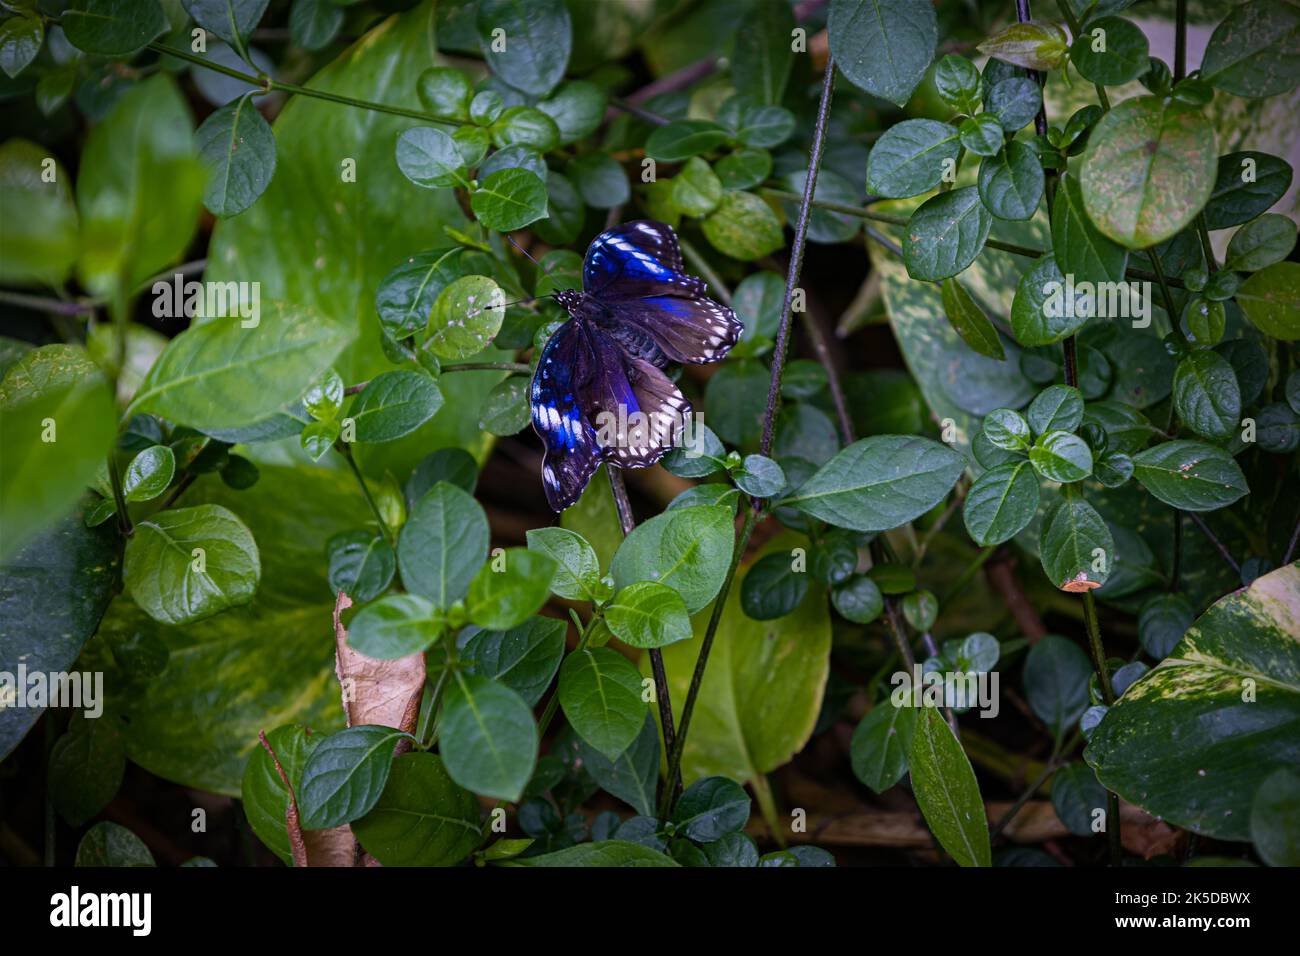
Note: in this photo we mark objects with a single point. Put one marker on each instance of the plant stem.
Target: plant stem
(119, 499)
(365, 490)
(1180, 40)
(701, 265)
(1165, 294)
(1214, 540)
(767, 807)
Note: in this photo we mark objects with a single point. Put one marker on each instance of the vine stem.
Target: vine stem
(365, 490)
(1214, 540)
(773, 402)
(673, 782)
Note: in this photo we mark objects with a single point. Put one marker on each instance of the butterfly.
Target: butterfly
(599, 392)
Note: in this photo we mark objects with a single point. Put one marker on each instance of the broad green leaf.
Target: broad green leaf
(149, 473)
(238, 147)
(947, 791)
(1076, 797)
(531, 50)
(1033, 44)
(1056, 682)
(345, 774)
(600, 694)
(1275, 819)
(602, 854)
(958, 83)
(970, 321)
(1237, 670)
(407, 294)
(858, 599)
(221, 374)
(313, 24)
(524, 658)
(232, 20)
(395, 626)
(761, 62)
(1076, 547)
(1260, 243)
(189, 563)
(1190, 476)
(577, 107)
(20, 40)
(1001, 503)
(747, 724)
(446, 92)
(880, 745)
(696, 189)
(511, 587)
(883, 46)
(600, 180)
(1080, 250)
(488, 737)
(1206, 396)
(1011, 182)
(422, 818)
(1162, 623)
(394, 404)
(1245, 185)
(109, 844)
(910, 158)
(1015, 101)
(57, 426)
(711, 808)
(688, 549)
(85, 769)
(1042, 312)
(443, 544)
(1007, 429)
(509, 199)
(266, 801)
(1255, 51)
(1056, 407)
(771, 588)
(112, 27)
(648, 614)
(981, 135)
(879, 483)
(1271, 299)
(1111, 51)
(743, 169)
(361, 565)
(744, 227)
(39, 242)
(1061, 456)
(1149, 169)
(429, 157)
(577, 570)
(682, 139)
(633, 775)
(525, 126)
(945, 234)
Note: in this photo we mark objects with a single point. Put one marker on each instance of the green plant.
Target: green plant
(233, 518)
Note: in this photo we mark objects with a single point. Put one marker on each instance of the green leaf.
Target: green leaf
(361, 565)
(1015, 101)
(1260, 243)
(394, 404)
(1245, 185)
(467, 315)
(879, 483)
(648, 614)
(688, 549)
(1061, 456)
(1270, 300)
(313, 24)
(1149, 169)
(765, 126)
(429, 157)
(523, 658)
(1255, 51)
(577, 107)
(57, 426)
(39, 242)
(681, 139)
(970, 321)
(112, 27)
(696, 189)
(910, 158)
(1076, 796)
(947, 791)
(149, 473)
(1110, 51)
(1011, 182)
(189, 563)
(1190, 476)
(1032, 44)
(858, 599)
(394, 627)
(760, 476)
(743, 227)
(1237, 670)
(442, 544)
(772, 588)
(1056, 682)
(446, 92)
(506, 411)
(509, 199)
(600, 180)
(981, 135)
(1040, 312)
(108, 844)
(266, 801)
(422, 818)
(633, 775)
(238, 147)
(1275, 819)
(711, 808)
(525, 126)
(743, 169)
(1056, 407)
(512, 586)
(232, 20)
(20, 40)
(1076, 548)
(957, 81)
(761, 61)
(883, 46)
(1162, 623)
(488, 738)
(880, 745)
(1001, 503)
(1206, 396)
(1079, 249)
(220, 374)
(600, 694)
(945, 234)
(345, 774)
(601, 854)
(85, 769)
(535, 42)
(1007, 429)
(577, 570)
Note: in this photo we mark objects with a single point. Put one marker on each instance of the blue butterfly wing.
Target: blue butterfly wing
(572, 454)
(636, 272)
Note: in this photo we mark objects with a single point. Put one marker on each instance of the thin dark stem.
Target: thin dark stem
(1165, 294)
(119, 499)
(40, 303)
(1071, 352)
(645, 115)
(701, 265)
(365, 490)
(1040, 121)
(1214, 540)
(179, 490)
(1180, 40)
(1290, 548)
(1176, 564)
(1108, 695)
(1203, 230)
(673, 783)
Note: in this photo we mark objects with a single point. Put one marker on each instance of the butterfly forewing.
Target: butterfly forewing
(572, 453)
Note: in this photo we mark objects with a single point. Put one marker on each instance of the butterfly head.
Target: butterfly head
(569, 300)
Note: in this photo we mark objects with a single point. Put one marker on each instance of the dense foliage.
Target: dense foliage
(1045, 457)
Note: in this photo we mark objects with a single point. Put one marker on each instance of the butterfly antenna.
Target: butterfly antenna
(504, 305)
(530, 256)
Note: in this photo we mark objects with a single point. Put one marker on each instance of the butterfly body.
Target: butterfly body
(599, 392)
